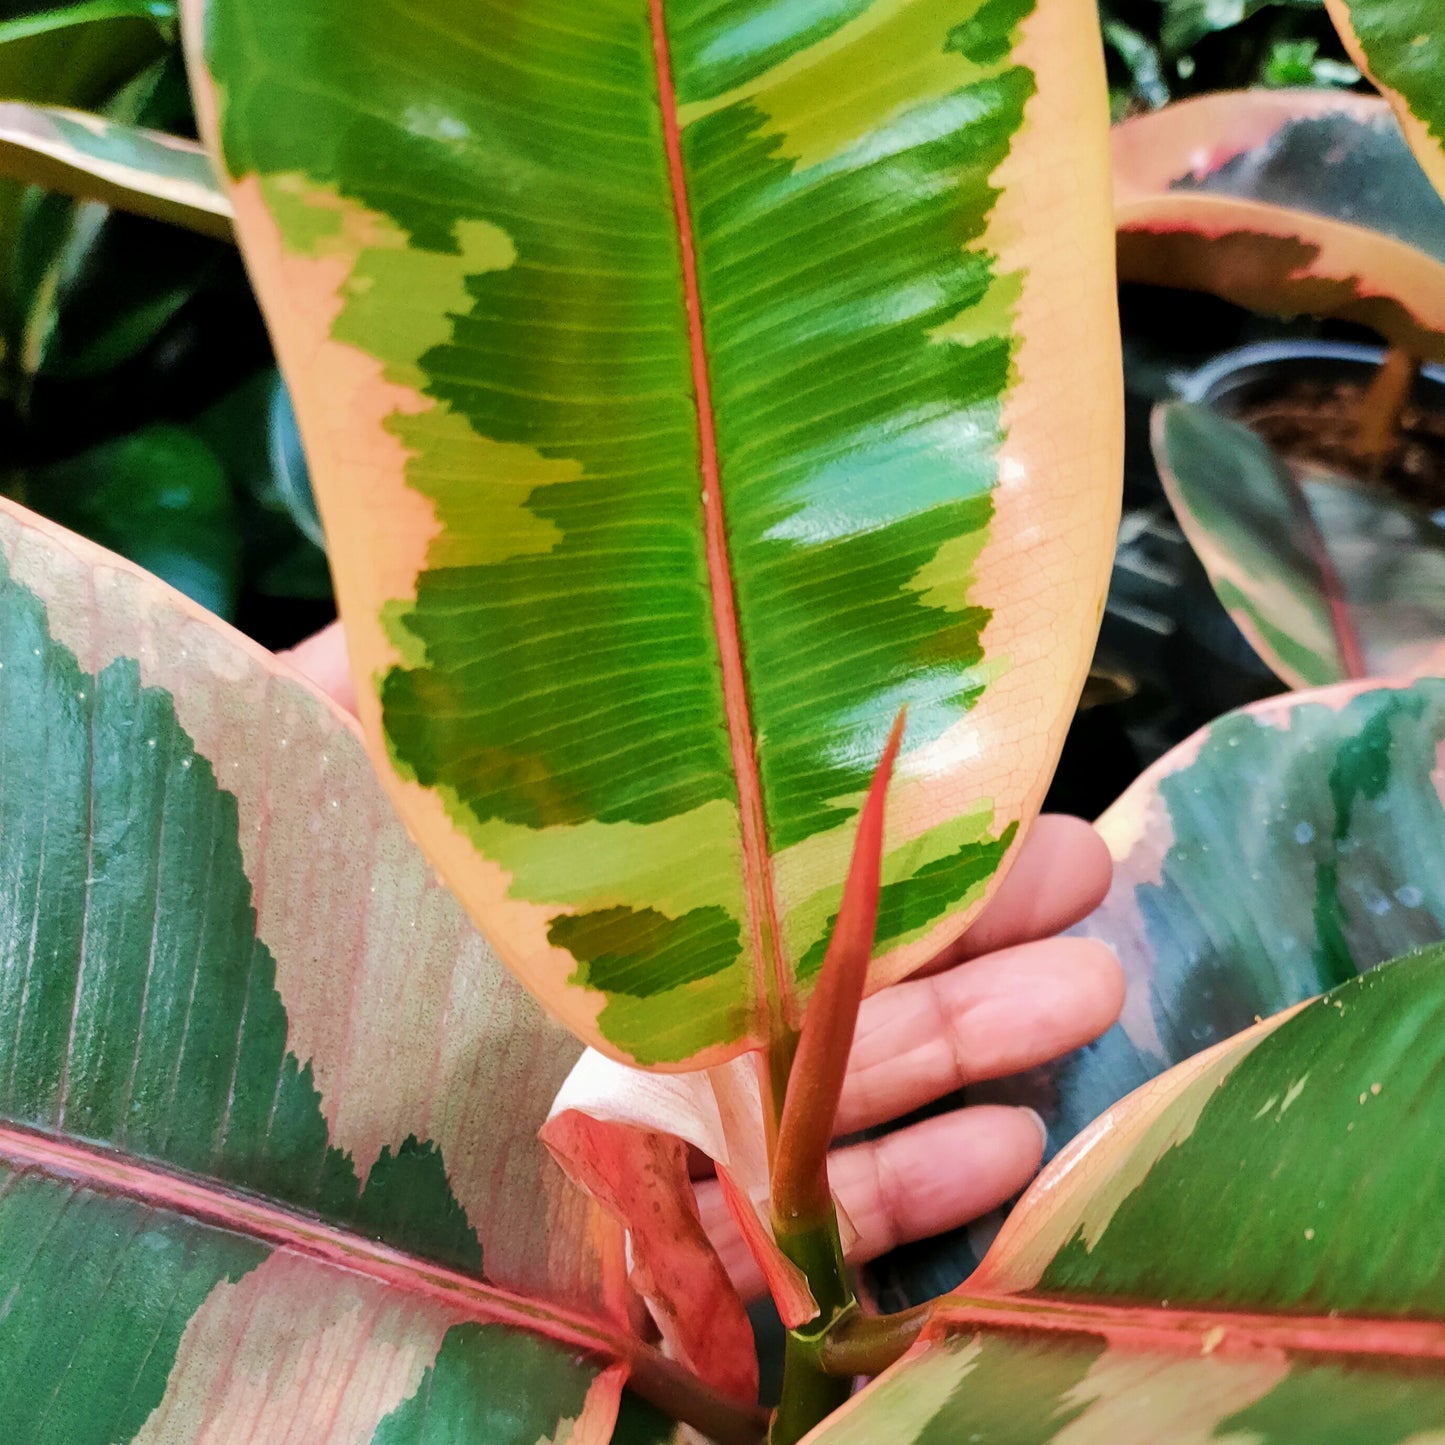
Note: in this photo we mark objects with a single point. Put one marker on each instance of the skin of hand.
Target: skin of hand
(1009, 996)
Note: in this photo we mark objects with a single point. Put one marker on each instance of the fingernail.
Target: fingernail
(1038, 1121)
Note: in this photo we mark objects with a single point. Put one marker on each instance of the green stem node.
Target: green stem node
(810, 1393)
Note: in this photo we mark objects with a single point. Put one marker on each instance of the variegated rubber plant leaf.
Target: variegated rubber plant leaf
(129, 167)
(1279, 852)
(1329, 578)
(1250, 1249)
(1400, 45)
(268, 1165)
(1288, 202)
(686, 388)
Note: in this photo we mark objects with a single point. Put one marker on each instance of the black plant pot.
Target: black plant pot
(1239, 379)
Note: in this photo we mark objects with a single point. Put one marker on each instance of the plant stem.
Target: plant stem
(681, 1395)
(810, 1393)
(860, 1344)
(777, 1069)
(1377, 426)
(802, 1200)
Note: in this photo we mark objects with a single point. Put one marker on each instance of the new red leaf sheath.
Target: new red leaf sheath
(800, 1169)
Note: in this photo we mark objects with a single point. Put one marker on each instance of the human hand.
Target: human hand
(1009, 996)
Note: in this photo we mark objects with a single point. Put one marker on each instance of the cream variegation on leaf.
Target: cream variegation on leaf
(129, 167)
(667, 443)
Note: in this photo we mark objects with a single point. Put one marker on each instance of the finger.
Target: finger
(322, 657)
(906, 1186)
(927, 1037)
(935, 1176)
(1062, 874)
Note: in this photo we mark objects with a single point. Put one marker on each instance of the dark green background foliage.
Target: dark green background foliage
(1165, 49)
(138, 398)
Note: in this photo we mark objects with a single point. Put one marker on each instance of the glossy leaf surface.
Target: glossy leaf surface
(142, 171)
(267, 1103)
(1284, 849)
(708, 391)
(1287, 202)
(1108, 1311)
(1400, 45)
(1327, 577)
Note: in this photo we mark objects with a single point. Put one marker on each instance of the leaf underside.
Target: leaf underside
(1297, 202)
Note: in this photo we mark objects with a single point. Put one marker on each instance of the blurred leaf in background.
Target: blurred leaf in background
(1160, 50)
(139, 400)
(162, 498)
(1298, 62)
(79, 55)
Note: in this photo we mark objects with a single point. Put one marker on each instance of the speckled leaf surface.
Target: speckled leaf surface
(1288, 202)
(1329, 579)
(1280, 851)
(686, 387)
(1107, 1311)
(125, 166)
(1400, 45)
(267, 1102)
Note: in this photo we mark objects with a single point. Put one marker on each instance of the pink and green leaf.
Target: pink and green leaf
(1329, 578)
(683, 388)
(1400, 45)
(268, 1104)
(1287, 202)
(1109, 1308)
(1282, 850)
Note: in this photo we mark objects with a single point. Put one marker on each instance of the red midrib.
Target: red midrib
(775, 985)
(663, 1381)
(1342, 617)
(206, 1202)
(1196, 1331)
